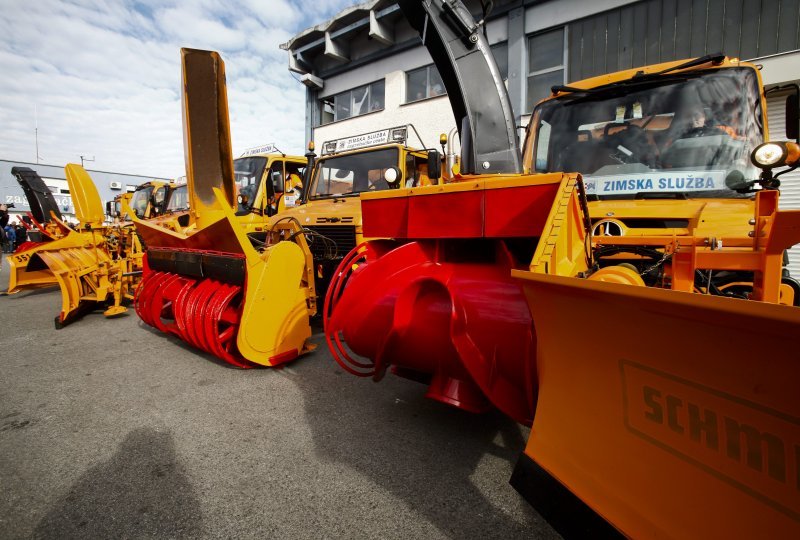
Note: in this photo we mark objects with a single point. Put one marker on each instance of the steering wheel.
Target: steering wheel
(633, 138)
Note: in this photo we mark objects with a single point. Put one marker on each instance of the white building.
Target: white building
(366, 69)
(109, 185)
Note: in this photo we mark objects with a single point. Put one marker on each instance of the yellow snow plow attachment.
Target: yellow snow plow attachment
(672, 412)
(94, 264)
(245, 300)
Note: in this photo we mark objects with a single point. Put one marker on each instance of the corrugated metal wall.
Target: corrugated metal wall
(662, 30)
(790, 182)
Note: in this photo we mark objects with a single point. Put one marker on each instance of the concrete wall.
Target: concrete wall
(11, 192)
(431, 116)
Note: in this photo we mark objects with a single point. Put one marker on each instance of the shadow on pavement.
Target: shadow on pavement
(423, 452)
(141, 491)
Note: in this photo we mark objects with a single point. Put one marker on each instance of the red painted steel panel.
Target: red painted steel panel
(446, 215)
(385, 218)
(518, 212)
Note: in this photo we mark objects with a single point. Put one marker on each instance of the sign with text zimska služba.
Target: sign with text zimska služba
(363, 141)
(263, 149)
(654, 182)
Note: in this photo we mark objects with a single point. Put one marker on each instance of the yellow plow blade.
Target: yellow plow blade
(25, 277)
(71, 266)
(87, 274)
(672, 415)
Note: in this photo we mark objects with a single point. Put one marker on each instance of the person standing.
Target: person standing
(3, 221)
(22, 234)
(11, 238)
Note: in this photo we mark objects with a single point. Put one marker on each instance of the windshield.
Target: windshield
(684, 135)
(351, 174)
(140, 200)
(248, 173)
(178, 199)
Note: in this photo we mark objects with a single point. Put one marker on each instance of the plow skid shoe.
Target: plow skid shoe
(671, 414)
(463, 328)
(214, 291)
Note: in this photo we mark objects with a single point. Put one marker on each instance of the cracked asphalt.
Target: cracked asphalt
(109, 429)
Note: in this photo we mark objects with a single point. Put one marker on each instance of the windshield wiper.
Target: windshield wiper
(714, 58)
(641, 76)
(334, 197)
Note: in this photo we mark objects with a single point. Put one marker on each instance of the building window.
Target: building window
(545, 64)
(500, 52)
(423, 83)
(355, 102)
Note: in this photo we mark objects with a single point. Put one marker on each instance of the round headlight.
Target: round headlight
(391, 175)
(240, 198)
(769, 154)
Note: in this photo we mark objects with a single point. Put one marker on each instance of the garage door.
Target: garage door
(790, 182)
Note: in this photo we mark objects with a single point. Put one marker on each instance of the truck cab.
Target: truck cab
(150, 199)
(267, 182)
(330, 209)
(663, 150)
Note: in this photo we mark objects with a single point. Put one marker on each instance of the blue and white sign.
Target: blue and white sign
(363, 141)
(263, 149)
(654, 182)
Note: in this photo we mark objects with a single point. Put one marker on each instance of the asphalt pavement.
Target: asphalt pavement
(110, 429)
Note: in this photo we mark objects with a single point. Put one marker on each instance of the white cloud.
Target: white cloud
(104, 77)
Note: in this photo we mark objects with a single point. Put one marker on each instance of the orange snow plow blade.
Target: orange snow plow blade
(670, 412)
(677, 415)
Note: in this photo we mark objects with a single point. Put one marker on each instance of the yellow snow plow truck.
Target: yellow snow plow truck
(643, 324)
(665, 322)
(330, 212)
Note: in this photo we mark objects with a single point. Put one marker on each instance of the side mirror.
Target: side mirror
(793, 117)
(434, 166)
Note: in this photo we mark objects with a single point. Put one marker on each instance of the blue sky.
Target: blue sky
(102, 77)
